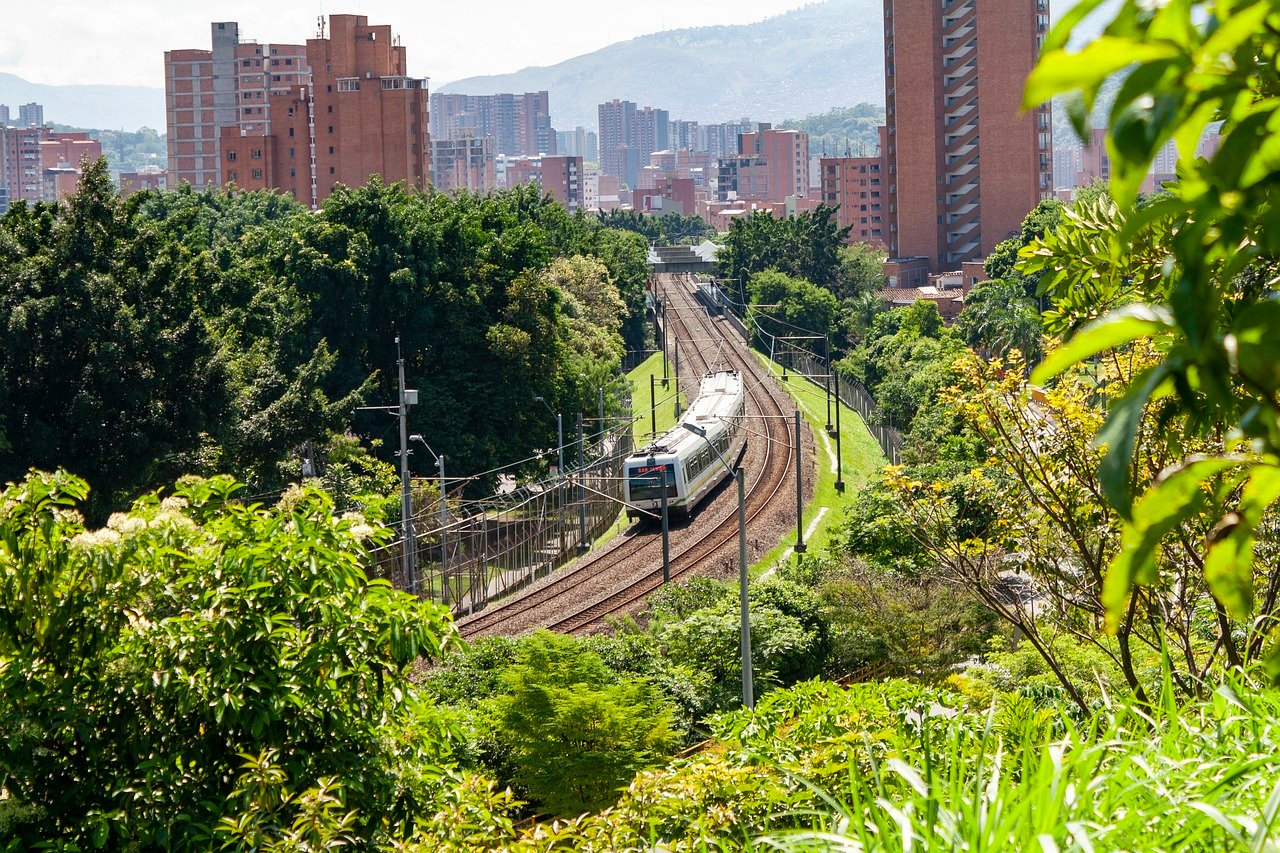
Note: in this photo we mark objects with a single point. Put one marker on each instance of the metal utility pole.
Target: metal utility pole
(600, 393)
(839, 458)
(444, 542)
(666, 541)
(559, 446)
(826, 380)
(653, 404)
(583, 545)
(748, 693)
(444, 519)
(676, 344)
(406, 497)
(665, 378)
(800, 546)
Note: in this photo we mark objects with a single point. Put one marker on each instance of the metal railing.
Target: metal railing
(487, 549)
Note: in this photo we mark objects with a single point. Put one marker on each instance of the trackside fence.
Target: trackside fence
(813, 367)
(485, 550)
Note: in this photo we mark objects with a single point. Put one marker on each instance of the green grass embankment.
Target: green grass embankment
(860, 455)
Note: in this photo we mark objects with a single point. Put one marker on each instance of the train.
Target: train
(680, 460)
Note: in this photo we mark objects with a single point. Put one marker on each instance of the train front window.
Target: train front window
(645, 481)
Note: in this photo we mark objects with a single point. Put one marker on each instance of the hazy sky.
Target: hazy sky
(123, 41)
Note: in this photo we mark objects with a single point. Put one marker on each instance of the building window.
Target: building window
(330, 109)
(293, 173)
(328, 88)
(256, 154)
(231, 156)
(331, 128)
(257, 174)
(231, 176)
(291, 152)
(330, 149)
(291, 132)
(332, 170)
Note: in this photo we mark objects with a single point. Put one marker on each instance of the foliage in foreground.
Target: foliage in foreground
(201, 670)
(895, 766)
(1206, 299)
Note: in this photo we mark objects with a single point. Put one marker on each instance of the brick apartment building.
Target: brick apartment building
(463, 162)
(667, 195)
(515, 125)
(858, 187)
(146, 178)
(965, 164)
(39, 164)
(229, 86)
(562, 178)
(771, 165)
(342, 110)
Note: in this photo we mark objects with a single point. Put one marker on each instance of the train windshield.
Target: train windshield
(645, 481)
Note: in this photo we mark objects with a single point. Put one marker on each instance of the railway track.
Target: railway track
(615, 580)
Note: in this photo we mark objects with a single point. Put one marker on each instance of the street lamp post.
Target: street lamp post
(748, 694)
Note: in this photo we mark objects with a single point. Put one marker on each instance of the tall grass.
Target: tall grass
(1205, 776)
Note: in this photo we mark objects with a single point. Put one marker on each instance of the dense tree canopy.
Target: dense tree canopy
(184, 332)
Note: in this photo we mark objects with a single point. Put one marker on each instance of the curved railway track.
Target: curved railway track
(614, 580)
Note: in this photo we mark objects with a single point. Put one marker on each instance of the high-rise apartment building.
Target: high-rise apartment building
(5, 120)
(771, 165)
(230, 85)
(30, 115)
(579, 142)
(684, 135)
(463, 162)
(628, 136)
(298, 119)
(857, 187)
(39, 164)
(562, 178)
(515, 125)
(965, 163)
(616, 118)
(721, 140)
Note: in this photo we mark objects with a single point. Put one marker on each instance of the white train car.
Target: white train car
(680, 461)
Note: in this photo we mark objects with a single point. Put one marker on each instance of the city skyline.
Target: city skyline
(121, 48)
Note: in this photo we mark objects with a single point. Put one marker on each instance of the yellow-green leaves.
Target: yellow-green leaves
(1122, 326)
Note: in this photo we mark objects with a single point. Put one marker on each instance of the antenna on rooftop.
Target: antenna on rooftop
(320, 26)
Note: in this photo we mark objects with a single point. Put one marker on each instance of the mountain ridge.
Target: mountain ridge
(798, 63)
(88, 105)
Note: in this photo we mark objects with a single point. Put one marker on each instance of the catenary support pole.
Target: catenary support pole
(826, 379)
(653, 404)
(666, 541)
(444, 544)
(748, 693)
(800, 546)
(676, 343)
(839, 457)
(406, 499)
(583, 545)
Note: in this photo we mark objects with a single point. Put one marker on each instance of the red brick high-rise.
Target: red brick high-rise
(771, 165)
(351, 113)
(228, 86)
(965, 163)
(858, 187)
